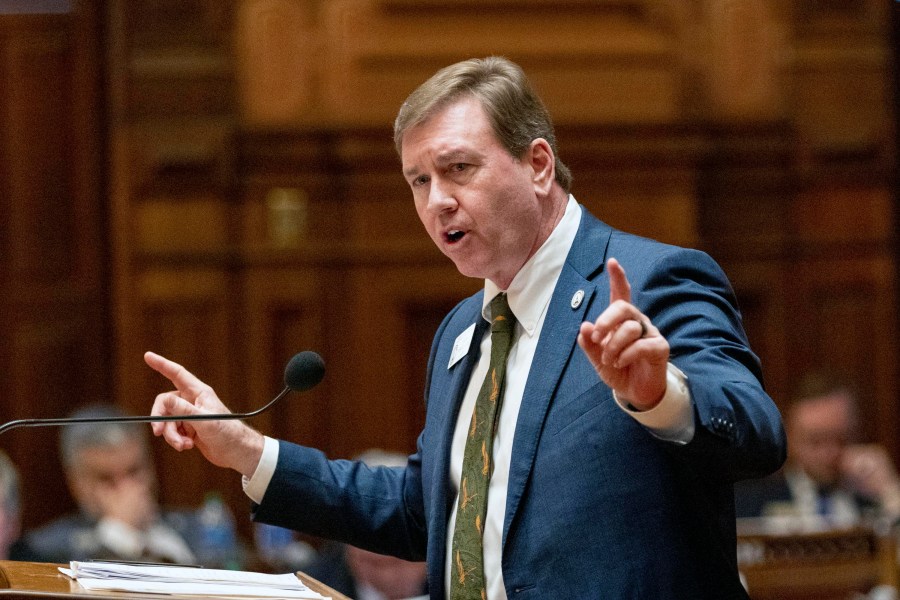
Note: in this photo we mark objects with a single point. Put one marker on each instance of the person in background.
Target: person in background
(829, 480)
(110, 474)
(588, 411)
(12, 546)
(365, 575)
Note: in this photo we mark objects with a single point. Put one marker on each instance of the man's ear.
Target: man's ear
(543, 164)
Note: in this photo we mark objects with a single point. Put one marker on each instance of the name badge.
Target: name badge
(461, 345)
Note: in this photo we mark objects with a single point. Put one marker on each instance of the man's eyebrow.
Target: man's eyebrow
(448, 156)
(452, 155)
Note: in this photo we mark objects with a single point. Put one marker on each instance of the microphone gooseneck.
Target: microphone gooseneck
(304, 371)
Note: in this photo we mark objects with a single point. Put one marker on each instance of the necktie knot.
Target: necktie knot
(502, 317)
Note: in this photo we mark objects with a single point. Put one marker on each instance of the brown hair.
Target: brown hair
(515, 111)
(819, 383)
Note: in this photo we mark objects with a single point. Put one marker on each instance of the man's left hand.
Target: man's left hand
(626, 349)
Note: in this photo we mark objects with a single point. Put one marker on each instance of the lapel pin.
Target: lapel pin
(577, 297)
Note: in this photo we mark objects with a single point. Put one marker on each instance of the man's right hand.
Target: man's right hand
(225, 443)
(869, 469)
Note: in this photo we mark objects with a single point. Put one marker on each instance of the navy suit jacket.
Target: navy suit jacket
(597, 507)
(74, 537)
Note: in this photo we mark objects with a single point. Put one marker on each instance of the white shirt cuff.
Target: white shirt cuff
(255, 487)
(673, 418)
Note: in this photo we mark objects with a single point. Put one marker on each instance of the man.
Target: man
(828, 480)
(110, 475)
(606, 471)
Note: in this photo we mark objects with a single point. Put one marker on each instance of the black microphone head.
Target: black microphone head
(304, 371)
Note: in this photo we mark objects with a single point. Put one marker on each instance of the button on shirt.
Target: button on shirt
(529, 296)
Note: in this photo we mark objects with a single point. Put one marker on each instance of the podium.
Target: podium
(29, 580)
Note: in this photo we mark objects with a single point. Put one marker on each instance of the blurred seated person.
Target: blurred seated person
(12, 546)
(828, 481)
(365, 575)
(279, 550)
(110, 474)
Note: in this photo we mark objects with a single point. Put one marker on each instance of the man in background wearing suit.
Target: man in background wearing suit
(110, 473)
(544, 470)
(829, 481)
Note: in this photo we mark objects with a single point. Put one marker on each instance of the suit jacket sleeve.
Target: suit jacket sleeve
(375, 508)
(738, 428)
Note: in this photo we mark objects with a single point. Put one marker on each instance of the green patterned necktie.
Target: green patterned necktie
(467, 573)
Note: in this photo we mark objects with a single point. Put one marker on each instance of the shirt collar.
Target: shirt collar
(530, 290)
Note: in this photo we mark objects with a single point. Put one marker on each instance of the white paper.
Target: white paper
(186, 580)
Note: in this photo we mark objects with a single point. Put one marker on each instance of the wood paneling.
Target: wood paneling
(354, 61)
(185, 315)
(285, 312)
(171, 223)
(836, 87)
(392, 320)
(54, 307)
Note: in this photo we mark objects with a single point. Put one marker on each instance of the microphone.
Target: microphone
(304, 371)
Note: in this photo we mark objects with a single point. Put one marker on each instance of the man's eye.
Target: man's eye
(420, 180)
(457, 167)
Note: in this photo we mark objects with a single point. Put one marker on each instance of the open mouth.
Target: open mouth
(454, 235)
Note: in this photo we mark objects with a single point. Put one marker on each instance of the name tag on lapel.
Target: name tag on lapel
(461, 345)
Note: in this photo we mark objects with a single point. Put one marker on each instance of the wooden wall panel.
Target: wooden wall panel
(744, 53)
(856, 215)
(835, 305)
(642, 179)
(284, 311)
(278, 55)
(836, 89)
(354, 61)
(40, 230)
(392, 316)
(185, 315)
(172, 227)
(174, 65)
(54, 331)
(817, 313)
(56, 364)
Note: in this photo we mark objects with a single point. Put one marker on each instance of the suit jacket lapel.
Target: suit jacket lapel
(558, 341)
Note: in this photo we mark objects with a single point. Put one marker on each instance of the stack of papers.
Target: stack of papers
(152, 579)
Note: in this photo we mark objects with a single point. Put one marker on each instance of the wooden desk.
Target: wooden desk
(29, 580)
(828, 565)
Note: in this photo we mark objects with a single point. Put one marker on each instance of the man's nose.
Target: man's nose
(440, 196)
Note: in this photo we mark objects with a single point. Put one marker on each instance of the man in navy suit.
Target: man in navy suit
(830, 480)
(612, 465)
